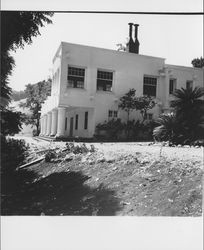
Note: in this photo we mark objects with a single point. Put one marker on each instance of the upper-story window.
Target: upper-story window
(172, 86)
(189, 84)
(76, 77)
(104, 80)
(150, 86)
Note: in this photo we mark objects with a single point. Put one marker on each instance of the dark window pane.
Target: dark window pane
(149, 90)
(115, 113)
(172, 86)
(150, 81)
(66, 123)
(104, 80)
(76, 122)
(189, 84)
(76, 77)
(150, 86)
(86, 120)
(110, 113)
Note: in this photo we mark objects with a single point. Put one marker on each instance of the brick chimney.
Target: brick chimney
(133, 46)
(137, 44)
(130, 44)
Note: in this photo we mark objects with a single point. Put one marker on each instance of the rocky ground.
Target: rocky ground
(141, 179)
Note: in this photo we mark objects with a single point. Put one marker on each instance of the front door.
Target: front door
(71, 126)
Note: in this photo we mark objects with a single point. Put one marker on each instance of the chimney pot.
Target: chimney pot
(130, 29)
(137, 44)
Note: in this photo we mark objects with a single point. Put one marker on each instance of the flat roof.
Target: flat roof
(111, 50)
(182, 67)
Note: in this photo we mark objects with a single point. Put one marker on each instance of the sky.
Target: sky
(178, 39)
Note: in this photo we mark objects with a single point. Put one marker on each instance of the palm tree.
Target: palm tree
(188, 107)
(169, 129)
(187, 98)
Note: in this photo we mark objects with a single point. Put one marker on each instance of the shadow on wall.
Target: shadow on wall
(63, 193)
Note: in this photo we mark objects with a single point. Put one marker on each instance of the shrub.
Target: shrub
(13, 154)
(184, 125)
(133, 130)
(198, 143)
(169, 129)
(10, 122)
(139, 130)
(50, 155)
(112, 128)
(188, 107)
(35, 132)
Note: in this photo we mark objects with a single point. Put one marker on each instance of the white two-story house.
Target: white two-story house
(88, 83)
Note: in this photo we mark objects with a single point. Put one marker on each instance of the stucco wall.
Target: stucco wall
(184, 74)
(80, 131)
(128, 72)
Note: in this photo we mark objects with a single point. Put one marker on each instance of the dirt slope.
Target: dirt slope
(116, 179)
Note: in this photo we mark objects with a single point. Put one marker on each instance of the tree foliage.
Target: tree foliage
(10, 122)
(143, 104)
(36, 95)
(128, 102)
(113, 128)
(17, 29)
(14, 153)
(7, 64)
(168, 128)
(198, 62)
(184, 125)
(188, 106)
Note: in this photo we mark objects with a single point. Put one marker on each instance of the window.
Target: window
(115, 113)
(76, 77)
(110, 113)
(104, 80)
(150, 86)
(189, 84)
(86, 120)
(172, 86)
(76, 121)
(66, 123)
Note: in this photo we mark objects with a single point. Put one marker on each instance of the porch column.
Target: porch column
(41, 125)
(91, 122)
(61, 122)
(54, 123)
(166, 103)
(45, 125)
(49, 121)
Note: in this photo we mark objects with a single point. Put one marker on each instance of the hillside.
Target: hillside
(109, 179)
(26, 129)
(18, 95)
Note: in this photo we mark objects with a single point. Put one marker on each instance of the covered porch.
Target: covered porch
(65, 122)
